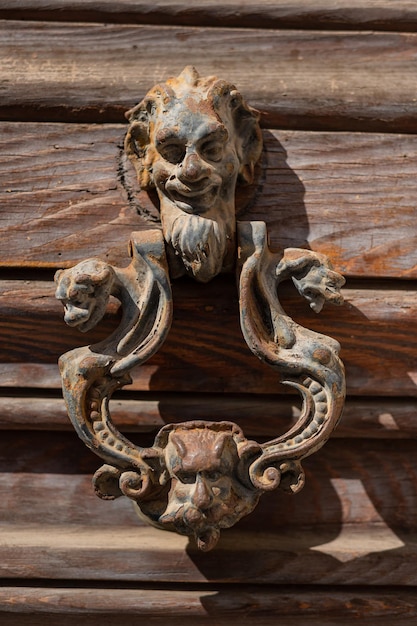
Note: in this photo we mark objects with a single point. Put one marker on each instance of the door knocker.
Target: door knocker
(193, 139)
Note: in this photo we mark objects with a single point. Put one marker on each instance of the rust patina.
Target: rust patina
(194, 139)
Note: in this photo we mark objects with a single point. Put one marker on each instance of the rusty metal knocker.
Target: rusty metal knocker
(194, 139)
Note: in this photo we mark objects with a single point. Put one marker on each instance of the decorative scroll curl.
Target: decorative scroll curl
(193, 138)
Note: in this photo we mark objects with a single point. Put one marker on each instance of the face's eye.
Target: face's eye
(188, 478)
(76, 304)
(212, 150)
(75, 298)
(172, 152)
(213, 476)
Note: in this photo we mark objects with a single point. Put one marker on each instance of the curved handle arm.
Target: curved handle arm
(305, 359)
(91, 374)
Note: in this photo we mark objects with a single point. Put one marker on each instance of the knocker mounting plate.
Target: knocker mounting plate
(194, 139)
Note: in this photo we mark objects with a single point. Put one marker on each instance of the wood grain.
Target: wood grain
(211, 606)
(358, 556)
(205, 350)
(297, 79)
(66, 194)
(342, 550)
(375, 15)
(258, 416)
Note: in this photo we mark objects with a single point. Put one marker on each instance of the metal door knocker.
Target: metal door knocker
(194, 139)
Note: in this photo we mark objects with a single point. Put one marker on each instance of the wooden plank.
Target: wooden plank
(337, 193)
(376, 15)
(68, 199)
(258, 416)
(352, 524)
(357, 556)
(46, 479)
(375, 327)
(297, 79)
(342, 14)
(214, 606)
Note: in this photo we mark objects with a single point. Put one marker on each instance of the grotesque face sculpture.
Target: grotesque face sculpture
(192, 138)
(84, 291)
(206, 471)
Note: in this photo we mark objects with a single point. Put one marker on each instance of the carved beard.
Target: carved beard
(201, 243)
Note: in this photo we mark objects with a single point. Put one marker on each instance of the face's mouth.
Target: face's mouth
(77, 316)
(195, 198)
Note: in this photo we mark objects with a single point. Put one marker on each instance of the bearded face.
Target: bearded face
(195, 170)
(191, 138)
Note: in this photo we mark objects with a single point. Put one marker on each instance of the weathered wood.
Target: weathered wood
(355, 556)
(369, 483)
(215, 606)
(258, 416)
(297, 79)
(205, 350)
(66, 195)
(324, 190)
(375, 15)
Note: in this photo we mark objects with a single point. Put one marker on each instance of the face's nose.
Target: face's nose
(193, 168)
(202, 496)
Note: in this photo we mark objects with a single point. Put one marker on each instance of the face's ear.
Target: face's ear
(137, 139)
(228, 102)
(102, 276)
(138, 145)
(57, 275)
(249, 136)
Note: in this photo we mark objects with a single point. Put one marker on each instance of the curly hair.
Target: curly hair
(215, 97)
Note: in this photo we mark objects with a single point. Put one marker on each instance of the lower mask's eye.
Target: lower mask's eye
(186, 477)
(75, 303)
(213, 475)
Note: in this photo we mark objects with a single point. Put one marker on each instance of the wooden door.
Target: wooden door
(335, 84)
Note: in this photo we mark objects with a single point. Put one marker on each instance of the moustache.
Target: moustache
(188, 520)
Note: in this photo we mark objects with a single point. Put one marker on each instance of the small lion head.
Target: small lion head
(84, 291)
(206, 471)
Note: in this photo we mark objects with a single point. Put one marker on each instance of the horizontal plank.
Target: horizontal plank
(258, 416)
(297, 79)
(375, 15)
(351, 196)
(364, 483)
(357, 556)
(374, 327)
(31, 606)
(353, 523)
